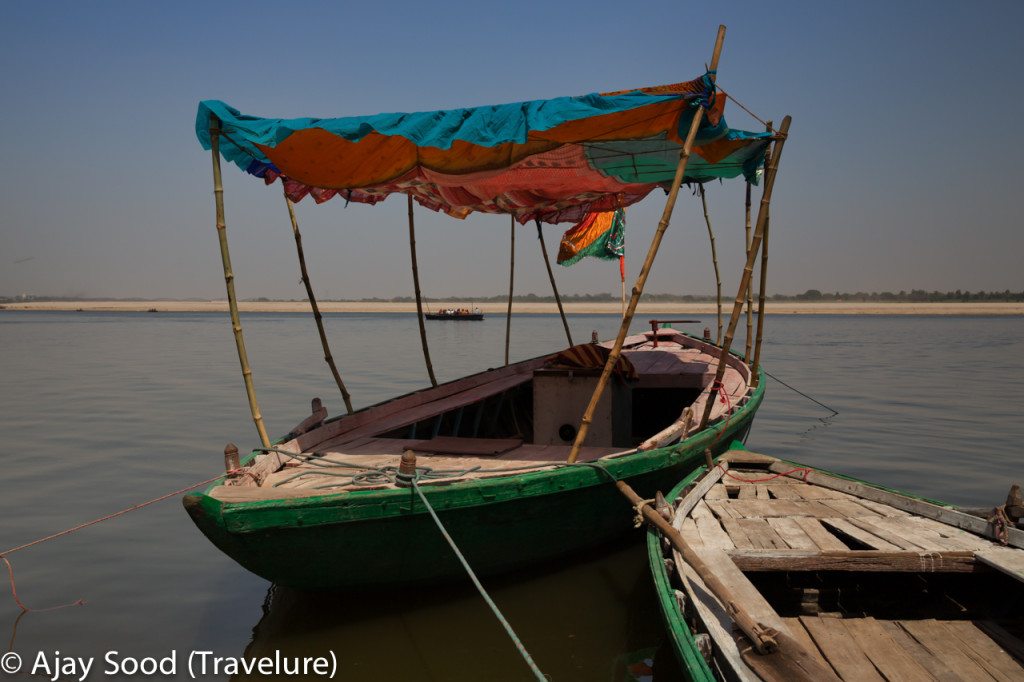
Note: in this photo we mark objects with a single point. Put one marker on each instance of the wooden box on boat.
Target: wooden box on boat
(859, 582)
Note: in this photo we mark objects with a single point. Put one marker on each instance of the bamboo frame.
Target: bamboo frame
(229, 281)
(328, 357)
(511, 285)
(419, 299)
(554, 288)
(714, 260)
(638, 288)
(761, 295)
(755, 246)
(750, 291)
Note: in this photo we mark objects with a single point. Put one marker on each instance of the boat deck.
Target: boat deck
(754, 519)
(344, 455)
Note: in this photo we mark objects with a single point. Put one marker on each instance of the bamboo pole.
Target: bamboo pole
(714, 260)
(778, 655)
(551, 276)
(750, 291)
(419, 299)
(229, 281)
(313, 304)
(622, 277)
(511, 285)
(652, 251)
(761, 295)
(755, 246)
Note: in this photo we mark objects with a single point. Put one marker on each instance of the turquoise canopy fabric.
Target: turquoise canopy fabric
(552, 160)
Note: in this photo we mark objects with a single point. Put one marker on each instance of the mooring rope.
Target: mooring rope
(380, 475)
(480, 588)
(73, 529)
(834, 412)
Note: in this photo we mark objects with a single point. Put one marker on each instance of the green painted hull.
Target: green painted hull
(384, 537)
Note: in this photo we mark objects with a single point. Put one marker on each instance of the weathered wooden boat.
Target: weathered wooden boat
(324, 509)
(517, 461)
(772, 570)
(462, 314)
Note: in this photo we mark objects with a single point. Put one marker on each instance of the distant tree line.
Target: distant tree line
(913, 296)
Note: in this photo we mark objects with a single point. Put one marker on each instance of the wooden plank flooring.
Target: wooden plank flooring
(747, 522)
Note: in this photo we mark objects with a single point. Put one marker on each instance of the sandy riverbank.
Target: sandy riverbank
(776, 308)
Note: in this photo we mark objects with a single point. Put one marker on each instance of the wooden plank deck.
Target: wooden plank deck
(746, 524)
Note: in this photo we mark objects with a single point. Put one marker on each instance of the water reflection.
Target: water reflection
(587, 618)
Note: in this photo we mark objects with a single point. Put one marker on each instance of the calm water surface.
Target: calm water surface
(101, 411)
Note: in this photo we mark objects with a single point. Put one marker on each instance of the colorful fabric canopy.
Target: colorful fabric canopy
(553, 160)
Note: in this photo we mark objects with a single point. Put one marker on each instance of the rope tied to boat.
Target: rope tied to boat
(638, 511)
(366, 475)
(476, 582)
(1000, 522)
(81, 526)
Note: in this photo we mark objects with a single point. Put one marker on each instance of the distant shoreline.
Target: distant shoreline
(771, 307)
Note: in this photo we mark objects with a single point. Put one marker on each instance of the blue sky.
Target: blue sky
(900, 170)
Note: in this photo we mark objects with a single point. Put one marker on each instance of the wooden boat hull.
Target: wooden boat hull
(956, 553)
(383, 537)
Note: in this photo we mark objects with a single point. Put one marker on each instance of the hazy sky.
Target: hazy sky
(902, 169)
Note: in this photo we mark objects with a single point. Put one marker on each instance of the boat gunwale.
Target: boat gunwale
(356, 505)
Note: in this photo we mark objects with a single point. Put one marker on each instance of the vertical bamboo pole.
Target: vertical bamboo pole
(714, 260)
(761, 293)
(750, 290)
(511, 285)
(622, 281)
(313, 304)
(419, 299)
(652, 251)
(755, 246)
(551, 276)
(229, 281)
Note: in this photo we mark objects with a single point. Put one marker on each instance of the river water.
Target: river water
(101, 411)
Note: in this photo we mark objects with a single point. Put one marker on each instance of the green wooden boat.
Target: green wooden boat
(835, 578)
(518, 461)
(305, 516)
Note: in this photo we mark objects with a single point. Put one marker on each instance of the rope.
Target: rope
(834, 412)
(638, 511)
(1000, 522)
(21, 605)
(480, 588)
(740, 105)
(370, 475)
(73, 529)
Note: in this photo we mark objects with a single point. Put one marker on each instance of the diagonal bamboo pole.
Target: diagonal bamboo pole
(313, 304)
(229, 281)
(755, 246)
(652, 251)
(419, 299)
(750, 290)
(714, 260)
(554, 288)
(761, 295)
(511, 286)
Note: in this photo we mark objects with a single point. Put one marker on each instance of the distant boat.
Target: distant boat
(456, 314)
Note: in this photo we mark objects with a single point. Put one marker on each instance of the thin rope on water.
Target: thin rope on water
(818, 402)
(480, 588)
(73, 529)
